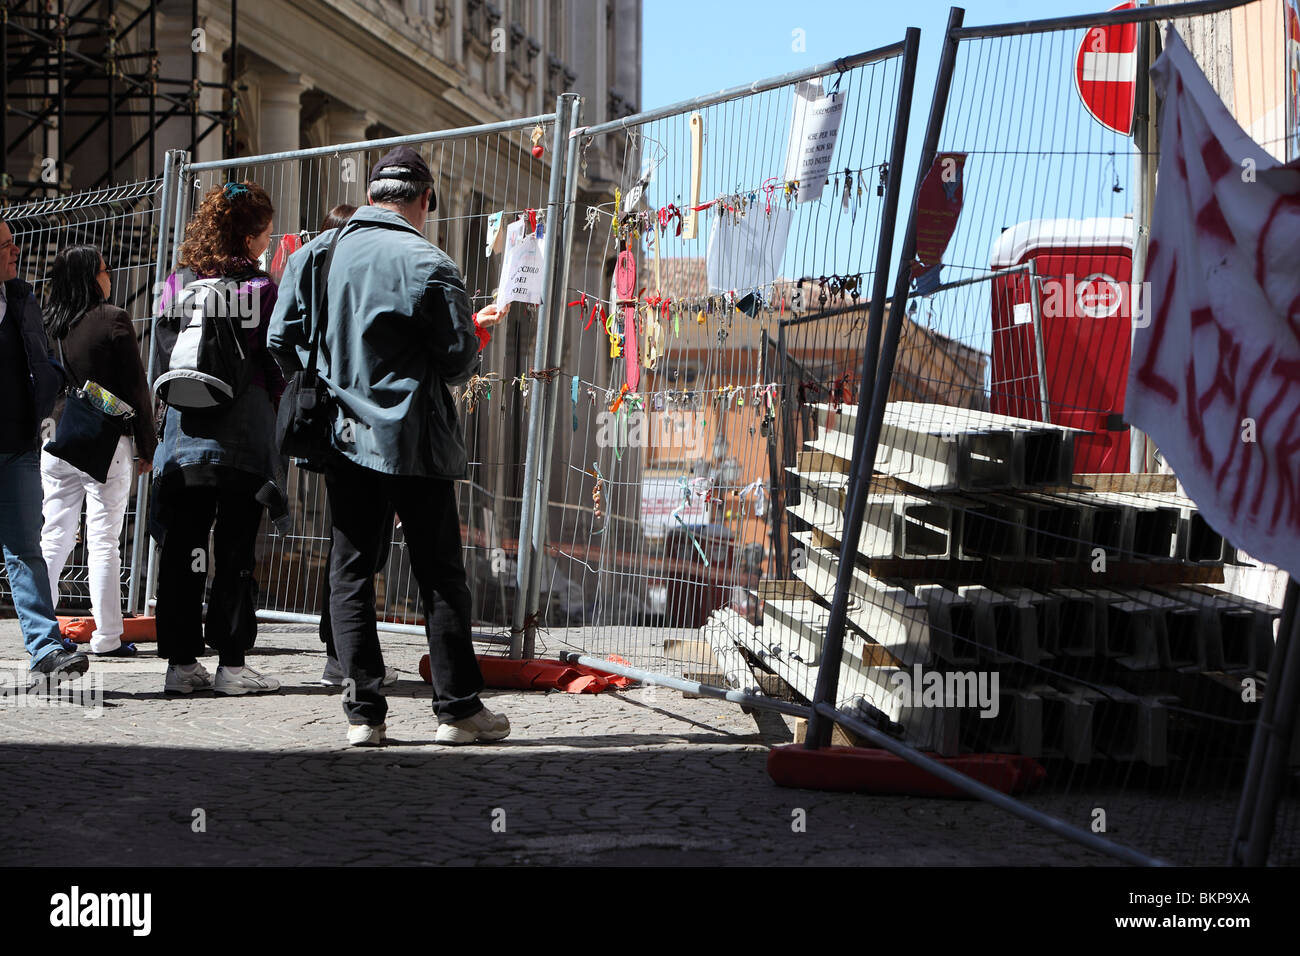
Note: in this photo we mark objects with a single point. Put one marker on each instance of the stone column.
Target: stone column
(279, 117)
(177, 41)
(343, 180)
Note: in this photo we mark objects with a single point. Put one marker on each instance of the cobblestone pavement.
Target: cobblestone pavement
(634, 777)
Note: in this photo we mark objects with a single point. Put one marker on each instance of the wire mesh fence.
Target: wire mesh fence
(714, 291)
(480, 173)
(124, 223)
(1032, 594)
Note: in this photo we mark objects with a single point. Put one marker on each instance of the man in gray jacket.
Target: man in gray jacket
(398, 330)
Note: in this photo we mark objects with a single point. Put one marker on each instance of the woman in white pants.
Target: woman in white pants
(97, 343)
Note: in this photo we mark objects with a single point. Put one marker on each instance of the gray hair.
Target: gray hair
(397, 191)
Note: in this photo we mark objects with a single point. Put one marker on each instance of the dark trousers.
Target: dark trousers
(381, 559)
(359, 501)
(233, 516)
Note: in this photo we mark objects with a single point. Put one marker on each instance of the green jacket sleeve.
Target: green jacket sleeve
(454, 342)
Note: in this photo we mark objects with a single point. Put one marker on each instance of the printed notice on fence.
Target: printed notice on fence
(813, 131)
(522, 268)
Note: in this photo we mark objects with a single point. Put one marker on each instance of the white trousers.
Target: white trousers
(66, 488)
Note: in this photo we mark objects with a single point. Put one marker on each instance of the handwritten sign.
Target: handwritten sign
(814, 128)
(522, 272)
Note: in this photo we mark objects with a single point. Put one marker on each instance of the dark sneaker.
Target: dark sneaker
(122, 650)
(62, 664)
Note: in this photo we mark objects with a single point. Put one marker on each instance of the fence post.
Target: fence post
(166, 260)
(867, 433)
(143, 482)
(523, 630)
(1256, 814)
(564, 246)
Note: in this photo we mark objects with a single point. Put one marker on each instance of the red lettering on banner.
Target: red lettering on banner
(1287, 495)
(1210, 220)
(1146, 374)
(1217, 163)
(1243, 410)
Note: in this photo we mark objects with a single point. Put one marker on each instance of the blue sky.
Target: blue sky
(692, 48)
(729, 42)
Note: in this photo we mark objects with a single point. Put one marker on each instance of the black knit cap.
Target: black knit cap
(404, 163)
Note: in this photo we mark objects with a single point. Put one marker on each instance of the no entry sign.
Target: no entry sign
(1105, 72)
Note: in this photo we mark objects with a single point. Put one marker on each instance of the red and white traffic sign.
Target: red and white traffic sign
(1105, 72)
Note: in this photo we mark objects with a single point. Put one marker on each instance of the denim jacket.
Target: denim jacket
(398, 331)
(240, 436)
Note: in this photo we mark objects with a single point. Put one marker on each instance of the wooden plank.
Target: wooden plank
(793, 590)
(1117, 484)
(810, 461)
(994, 572)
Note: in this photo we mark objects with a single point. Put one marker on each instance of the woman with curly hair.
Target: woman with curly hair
(216, 469)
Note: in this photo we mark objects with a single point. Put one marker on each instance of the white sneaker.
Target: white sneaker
(247, 681)
(181, 681)
(366, 735)
(484, 725)
(390, 677)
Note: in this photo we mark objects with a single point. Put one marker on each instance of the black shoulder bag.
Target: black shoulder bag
(86, 436)
(304, 426)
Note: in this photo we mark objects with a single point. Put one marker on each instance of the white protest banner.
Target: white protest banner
(747, 253)
(521, 272)
(814, 128)
(1215, 374)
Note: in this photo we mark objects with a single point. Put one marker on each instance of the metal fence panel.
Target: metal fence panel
(670, 485)
(1024, 594)
(125, 223)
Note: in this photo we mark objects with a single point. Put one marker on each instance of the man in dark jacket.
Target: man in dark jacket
(398, 330)
(29, 383)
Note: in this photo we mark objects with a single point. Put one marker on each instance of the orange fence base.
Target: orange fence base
(502, 673)
(134, 629)
(868, 770)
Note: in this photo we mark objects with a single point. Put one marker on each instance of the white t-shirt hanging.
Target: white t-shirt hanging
(747, 253)
(814, 127)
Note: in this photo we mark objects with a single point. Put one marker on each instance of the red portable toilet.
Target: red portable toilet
(1082, 317)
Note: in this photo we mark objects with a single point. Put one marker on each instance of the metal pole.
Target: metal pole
(687, 686)
(4, 104)
(153, 88)
(461, 132)
(1145, 138)
(541, 523)
(828, 672)
(228, 137)
(896, 747)
(985, 792)
(1271, 744)
(181, 215)
(194, 76)
(758, 86)
(61, 99)
(1085, 20)
(390, 627)
(111, 83)
(143, 482)
(552, 310)
(1040, 350)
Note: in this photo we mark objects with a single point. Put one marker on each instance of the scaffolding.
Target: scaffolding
(70, 59)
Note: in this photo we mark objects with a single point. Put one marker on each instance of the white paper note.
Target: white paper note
(814, 128)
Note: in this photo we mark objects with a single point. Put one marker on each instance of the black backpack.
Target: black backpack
(203, 359)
